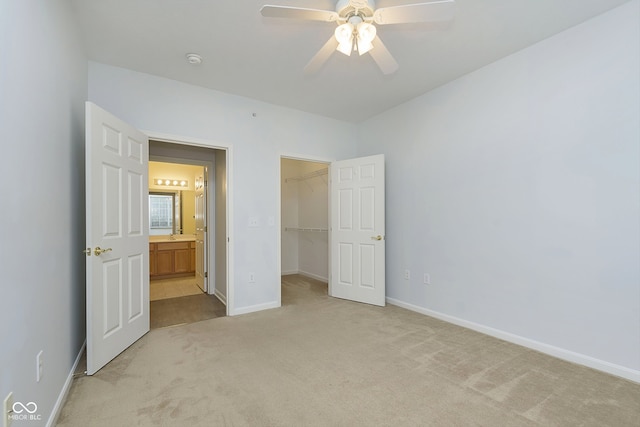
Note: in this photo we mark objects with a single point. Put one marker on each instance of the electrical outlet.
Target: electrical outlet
(407, 275)
(252, 278)
(39, 366)
(427, 279)
(7, 408)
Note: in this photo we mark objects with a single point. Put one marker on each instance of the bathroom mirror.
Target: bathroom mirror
(171, 212)
(172, 198)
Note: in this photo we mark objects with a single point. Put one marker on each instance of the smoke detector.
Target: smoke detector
(194, 58)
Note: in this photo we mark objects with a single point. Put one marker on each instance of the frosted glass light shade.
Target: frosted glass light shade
(366, 35)
(344, 35)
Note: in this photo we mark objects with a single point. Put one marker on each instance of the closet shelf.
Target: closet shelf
(312, 230)
(309, 175)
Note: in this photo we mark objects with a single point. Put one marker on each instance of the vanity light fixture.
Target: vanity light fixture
(171, 182)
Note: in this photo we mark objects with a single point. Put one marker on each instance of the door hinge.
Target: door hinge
(206, 274)
(205, 228)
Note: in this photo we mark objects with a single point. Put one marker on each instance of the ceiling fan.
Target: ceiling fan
(356, 30)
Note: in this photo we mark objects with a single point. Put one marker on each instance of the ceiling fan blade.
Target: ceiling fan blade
(271, 11)
(435, 11)
(321, 57)
(383, 57)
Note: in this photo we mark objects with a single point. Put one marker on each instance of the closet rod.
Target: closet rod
(313, 230)
(313, 174)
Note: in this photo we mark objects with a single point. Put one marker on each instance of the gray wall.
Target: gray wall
(43, 86)
(516, 188)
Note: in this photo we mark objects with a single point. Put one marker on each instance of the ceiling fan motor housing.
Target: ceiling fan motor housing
(350, 7)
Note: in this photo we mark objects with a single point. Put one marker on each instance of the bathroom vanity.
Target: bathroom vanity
(169, 257)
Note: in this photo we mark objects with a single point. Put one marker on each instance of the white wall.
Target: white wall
(289, 216)
(516, 188)
(43, 86)
(166, 106)
(313, 202)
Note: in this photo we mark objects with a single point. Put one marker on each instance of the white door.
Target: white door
(201, 232)
(177, 213)
(117, 245)
(357, 230)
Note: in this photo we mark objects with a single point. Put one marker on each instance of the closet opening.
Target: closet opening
(304, 221)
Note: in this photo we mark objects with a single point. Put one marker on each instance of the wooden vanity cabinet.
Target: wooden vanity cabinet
(171, 259)
(181, 261)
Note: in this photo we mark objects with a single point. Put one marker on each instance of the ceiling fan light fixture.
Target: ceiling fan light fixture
(366, 35)
(344, 35)
(357, 31)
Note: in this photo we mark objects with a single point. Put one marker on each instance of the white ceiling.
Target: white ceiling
(263, 58)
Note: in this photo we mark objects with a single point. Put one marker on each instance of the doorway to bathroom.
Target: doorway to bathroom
(187, 233)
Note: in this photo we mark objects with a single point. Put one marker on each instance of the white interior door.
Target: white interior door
(177, 213)
(201, 232)
(117, 219)
(357, 230)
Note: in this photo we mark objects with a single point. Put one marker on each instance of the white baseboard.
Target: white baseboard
(254, 308)
(62, 397)
(314, 276)
(560, 353)
(304, 273)
(220, 296)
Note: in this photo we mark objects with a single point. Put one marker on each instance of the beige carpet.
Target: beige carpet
(320, 361)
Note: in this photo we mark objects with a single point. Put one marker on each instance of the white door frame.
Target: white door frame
(304, 158)
(188, 141)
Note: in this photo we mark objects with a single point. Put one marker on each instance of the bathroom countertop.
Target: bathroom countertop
(167, 239)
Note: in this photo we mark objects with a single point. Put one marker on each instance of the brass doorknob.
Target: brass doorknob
(97, 251)
(378, 237)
